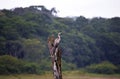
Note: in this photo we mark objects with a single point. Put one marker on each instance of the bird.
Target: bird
(57, 40)
(53, 44)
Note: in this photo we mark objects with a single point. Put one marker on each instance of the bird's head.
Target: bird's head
(59, 33)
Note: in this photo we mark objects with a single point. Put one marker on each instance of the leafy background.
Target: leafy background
(85, 42)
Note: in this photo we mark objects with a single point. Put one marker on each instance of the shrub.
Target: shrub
(118, 70)
(12, 65)
(30, 68)
(9, 64)
(102, 68)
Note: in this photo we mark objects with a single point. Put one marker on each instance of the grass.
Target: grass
(66, 75)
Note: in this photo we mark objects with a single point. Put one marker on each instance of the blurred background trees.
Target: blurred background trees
(24, 33)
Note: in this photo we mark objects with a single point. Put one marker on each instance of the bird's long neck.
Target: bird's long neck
(58, 36)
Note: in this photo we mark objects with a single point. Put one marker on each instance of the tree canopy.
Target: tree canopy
(24, 33)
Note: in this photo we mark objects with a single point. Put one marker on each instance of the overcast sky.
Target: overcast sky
(87, 8)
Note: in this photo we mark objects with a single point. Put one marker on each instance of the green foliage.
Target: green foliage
(68, 66)
(102, 68)
(30, 68)
(24, 33)
(9, 64)
(12, 65)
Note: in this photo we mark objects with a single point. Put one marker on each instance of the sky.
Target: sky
(69, 8)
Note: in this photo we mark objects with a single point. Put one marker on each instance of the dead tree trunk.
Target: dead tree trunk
(55, 53)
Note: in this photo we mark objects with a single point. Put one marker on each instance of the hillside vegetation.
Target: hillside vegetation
(24, 33)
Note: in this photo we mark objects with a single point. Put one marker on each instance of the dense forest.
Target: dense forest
(85, 41)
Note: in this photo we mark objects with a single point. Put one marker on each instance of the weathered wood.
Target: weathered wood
(55, 53)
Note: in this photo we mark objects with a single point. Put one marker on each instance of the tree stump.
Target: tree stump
(55, 54)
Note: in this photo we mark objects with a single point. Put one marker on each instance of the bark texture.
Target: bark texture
(55, 53)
